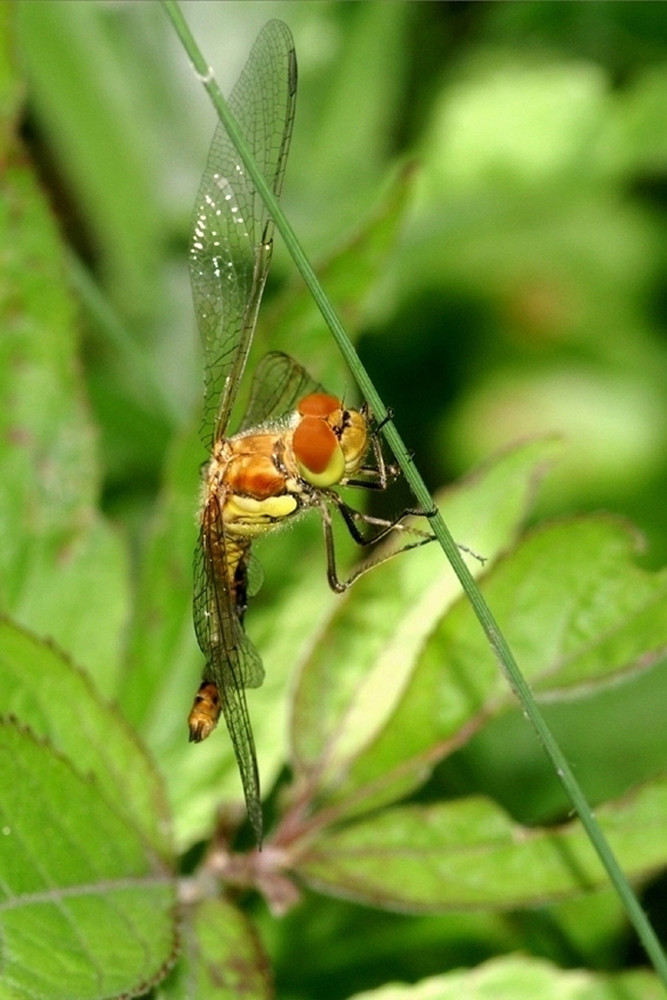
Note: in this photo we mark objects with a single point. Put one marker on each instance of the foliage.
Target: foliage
(515, 277)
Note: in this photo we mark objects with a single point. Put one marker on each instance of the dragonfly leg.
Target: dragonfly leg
(351, 518)
(386, 420)
(338, 586)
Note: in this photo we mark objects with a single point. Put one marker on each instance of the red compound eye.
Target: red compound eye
(319, 404)
(315, 444)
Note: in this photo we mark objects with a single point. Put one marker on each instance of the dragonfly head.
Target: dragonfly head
(329, 440)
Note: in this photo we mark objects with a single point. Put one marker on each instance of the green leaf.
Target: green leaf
(640, 141)
(59, 704)
(86, 906)
(62, 569)
(490, 125)
(163, 659)
(468, 853)
(593, 618)
(359, 671)
(88, 105)
(10, 84)
(574, 609)
(521, 978)
(223, 958)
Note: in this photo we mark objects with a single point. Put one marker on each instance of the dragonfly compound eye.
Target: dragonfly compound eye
(350, 428)
(318, 452)
(319, 404)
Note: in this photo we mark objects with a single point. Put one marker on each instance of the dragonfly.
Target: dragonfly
(296, 442)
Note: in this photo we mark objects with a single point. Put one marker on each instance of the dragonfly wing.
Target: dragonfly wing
(232, 231)
(232, 662)
(255, 579)
(278, 384)
(219, 605)
(235, 711)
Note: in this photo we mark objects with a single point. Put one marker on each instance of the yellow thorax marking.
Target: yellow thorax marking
(250, 513)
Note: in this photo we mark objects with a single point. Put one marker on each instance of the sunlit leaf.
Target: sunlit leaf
(576, 612)
(359, 672)
(521, 978)
(491, 123)
(469, 853)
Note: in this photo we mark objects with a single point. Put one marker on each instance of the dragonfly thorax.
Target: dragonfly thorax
(329, 441)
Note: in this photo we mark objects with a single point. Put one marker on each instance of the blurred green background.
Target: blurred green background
(525, 294)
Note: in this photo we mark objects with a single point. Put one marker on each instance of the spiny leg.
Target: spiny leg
(350, 518)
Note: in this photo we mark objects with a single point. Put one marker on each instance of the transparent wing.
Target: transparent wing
(255, 576)
(277, 386)
(231, 243)
(232, 662)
